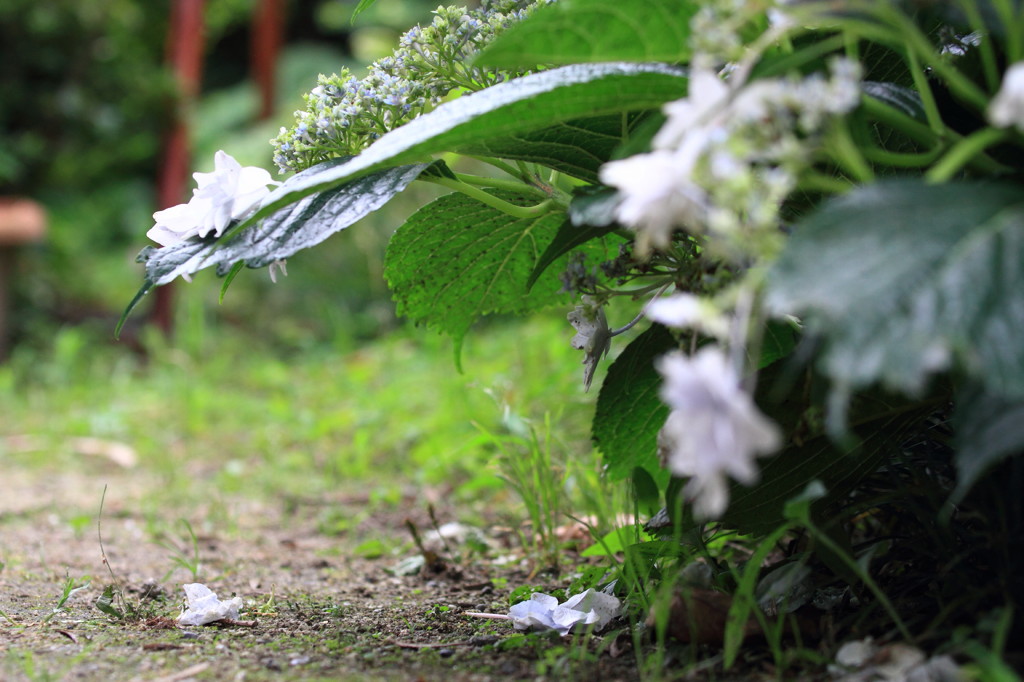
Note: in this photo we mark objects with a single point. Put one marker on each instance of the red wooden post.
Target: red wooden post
(267, 35)
(185, 57)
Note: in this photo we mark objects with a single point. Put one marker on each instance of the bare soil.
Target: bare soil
(315, 608)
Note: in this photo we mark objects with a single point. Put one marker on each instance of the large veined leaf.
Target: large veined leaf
(573, 31)
(533, 102)
(902, 280)
(282, 234)
(989, 428)
(629, 410)
(578, 147)
(457, 259)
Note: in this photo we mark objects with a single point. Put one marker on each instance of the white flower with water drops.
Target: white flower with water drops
(714, 430)
(231, 192)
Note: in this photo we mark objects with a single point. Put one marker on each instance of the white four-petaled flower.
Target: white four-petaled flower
(231, 192)
(714, 429)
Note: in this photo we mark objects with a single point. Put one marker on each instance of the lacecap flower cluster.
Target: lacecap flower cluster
(345, 114)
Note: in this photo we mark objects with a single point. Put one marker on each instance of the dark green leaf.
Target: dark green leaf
(457, 259)
(568, 238)
(901, 98)
(577, 148)
(629, 410)
(594, 206)
(645, 488)
(903, 280)
(574, 31)
(779, 341)
(989, 428)
(534, 102)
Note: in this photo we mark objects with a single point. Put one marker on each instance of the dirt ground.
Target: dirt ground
(315, 608)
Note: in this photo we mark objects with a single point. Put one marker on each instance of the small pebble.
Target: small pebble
(445, 653)
(188, 634)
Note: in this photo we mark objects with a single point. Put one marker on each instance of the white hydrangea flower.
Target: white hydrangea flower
(231, 192)
(727, 157)
(714, 430)
(657, 195)
(1007, 107)
(687, 311)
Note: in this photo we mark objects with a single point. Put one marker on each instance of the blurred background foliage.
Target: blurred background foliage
(88, 99)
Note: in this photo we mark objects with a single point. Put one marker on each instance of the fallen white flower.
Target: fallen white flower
(230, 192)
(593, 336)
(543, 612)
(204, 607)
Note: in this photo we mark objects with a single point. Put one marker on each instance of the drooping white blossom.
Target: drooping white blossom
(231, 192)
(1007, 107)
(714, 430)
(593, 336)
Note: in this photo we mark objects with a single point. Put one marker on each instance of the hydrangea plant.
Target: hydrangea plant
(815, 207)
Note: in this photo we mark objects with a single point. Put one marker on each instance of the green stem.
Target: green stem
(1013, 22)
(491, 200)
(931, 109)
(900, 160)
(497, 163)
(963, 153)
(848, 154)
(988, 53)
(499, 183)
(897, 120)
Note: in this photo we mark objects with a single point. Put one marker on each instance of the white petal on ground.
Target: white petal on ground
(204, 607)
(543, 612)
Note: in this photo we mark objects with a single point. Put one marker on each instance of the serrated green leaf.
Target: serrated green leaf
(457, 259)
(578, 148)
(533, 102)
(629, 410)
(988, 428)
(567, 238)
(903, 280)
(574, 31)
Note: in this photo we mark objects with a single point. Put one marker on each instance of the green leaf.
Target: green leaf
(617, 541)
(457, 259)
(105, 603)
(360, 8)
(779, 341)
(902, 280)
(287, 231)
(629, 410)
(578, 148)
(900, 98)
(531, 103)
(569, 237)
(989, 428)
(574, 31)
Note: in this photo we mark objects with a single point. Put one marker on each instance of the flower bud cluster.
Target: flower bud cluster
(727, 157)
(344, 114)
